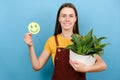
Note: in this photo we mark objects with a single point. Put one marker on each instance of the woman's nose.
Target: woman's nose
(67, 18)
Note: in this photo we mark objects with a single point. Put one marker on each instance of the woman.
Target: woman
(64, 69)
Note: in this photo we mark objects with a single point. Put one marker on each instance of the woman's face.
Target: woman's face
(67, 18)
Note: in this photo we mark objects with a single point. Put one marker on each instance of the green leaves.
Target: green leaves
(87, 45)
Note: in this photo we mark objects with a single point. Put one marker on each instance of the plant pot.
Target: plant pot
(86, 59)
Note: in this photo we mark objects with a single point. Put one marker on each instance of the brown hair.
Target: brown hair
(58, 29)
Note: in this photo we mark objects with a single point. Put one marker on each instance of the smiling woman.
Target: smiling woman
(33, 28)
(64, 69)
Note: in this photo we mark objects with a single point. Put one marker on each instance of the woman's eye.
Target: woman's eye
(63, 15)
(71, 16)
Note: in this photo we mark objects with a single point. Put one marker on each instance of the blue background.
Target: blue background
(15, 15)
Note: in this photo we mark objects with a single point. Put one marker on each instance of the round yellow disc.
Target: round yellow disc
(34, 28)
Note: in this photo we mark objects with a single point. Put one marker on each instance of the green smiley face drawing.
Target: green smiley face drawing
(34, 28)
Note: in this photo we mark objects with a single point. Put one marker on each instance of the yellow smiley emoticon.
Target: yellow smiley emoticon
(34, 28)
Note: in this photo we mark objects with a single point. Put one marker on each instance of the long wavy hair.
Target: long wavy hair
(58, 29)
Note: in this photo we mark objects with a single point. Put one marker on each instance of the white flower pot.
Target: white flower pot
(86, 59)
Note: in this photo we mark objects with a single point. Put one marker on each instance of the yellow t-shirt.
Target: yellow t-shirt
(50, 45)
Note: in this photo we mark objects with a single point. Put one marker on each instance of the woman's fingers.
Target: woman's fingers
(28, 38)
(74, 65)
(78, 66)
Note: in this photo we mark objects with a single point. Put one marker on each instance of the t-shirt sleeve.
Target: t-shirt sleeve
(47, 46)
(50, 45)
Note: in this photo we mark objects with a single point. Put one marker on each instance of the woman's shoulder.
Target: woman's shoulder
(51, 39)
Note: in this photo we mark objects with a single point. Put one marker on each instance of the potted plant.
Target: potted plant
(85, 48)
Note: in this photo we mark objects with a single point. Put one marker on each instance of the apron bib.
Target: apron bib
(63, 70)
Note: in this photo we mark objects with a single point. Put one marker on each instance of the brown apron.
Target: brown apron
(63, 70)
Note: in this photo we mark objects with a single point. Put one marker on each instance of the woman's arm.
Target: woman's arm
(80, 67)
(98, 66)
(37, 63)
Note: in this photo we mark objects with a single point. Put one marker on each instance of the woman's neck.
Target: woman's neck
(66, 34)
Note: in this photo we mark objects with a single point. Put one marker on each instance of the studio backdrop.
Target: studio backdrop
(15, 15)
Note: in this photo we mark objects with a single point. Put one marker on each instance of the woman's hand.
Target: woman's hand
(28, 39)
(99, 65)
(78, 66)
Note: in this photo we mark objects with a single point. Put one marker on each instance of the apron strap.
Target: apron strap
(56, 41)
